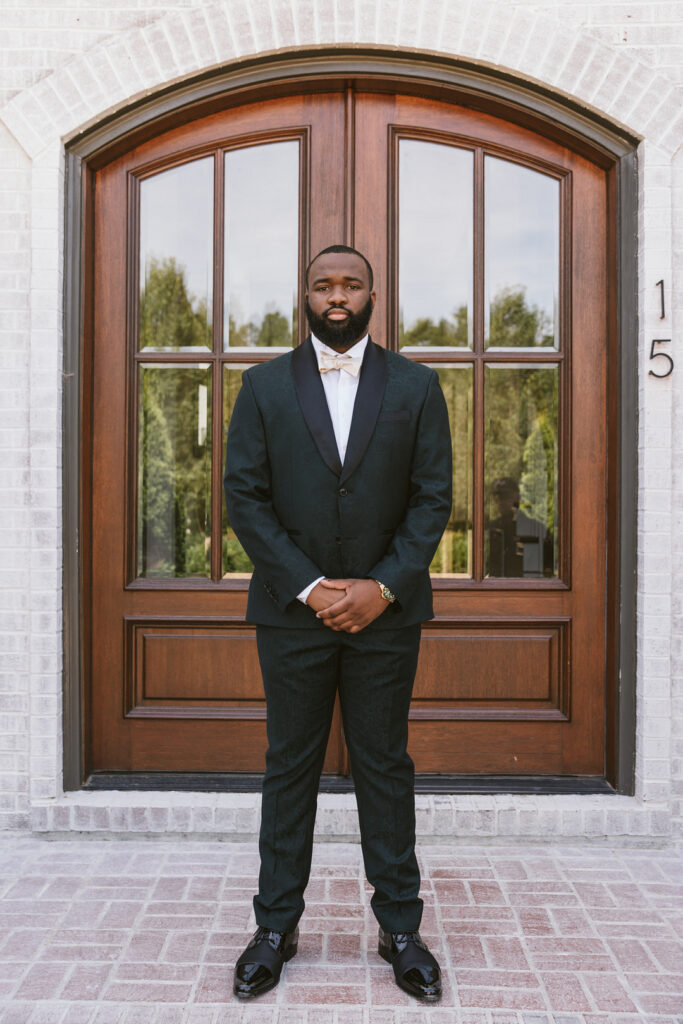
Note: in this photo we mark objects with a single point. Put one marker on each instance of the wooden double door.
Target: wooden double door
(488, 244)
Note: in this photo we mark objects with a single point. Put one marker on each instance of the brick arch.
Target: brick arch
(492, 33)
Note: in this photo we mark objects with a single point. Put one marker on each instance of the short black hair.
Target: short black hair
(342, 248)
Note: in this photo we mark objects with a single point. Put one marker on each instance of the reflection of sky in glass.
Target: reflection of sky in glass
(435, 236)
(261, 242)
(176, 222)
(522, 237)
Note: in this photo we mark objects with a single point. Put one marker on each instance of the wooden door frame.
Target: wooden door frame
(323, 70)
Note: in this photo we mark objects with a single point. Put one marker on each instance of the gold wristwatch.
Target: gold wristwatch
(386, 593)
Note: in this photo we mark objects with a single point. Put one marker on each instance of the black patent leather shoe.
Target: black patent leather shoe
(260, 966)
(415, 969)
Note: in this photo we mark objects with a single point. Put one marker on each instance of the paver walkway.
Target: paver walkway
(147, 931)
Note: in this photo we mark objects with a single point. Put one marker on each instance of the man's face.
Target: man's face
(508, 500)
(339, 302)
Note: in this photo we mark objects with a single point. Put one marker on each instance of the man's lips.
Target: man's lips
(336, 314)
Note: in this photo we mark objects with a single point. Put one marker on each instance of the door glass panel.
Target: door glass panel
(435, 245)
(174, 471)
(522, 268)
(236, 561)
(176, 258)
(261, 245)
(521, 471)
(454, 554)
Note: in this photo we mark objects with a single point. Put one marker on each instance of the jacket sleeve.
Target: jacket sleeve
(282, 566)
(415, 541)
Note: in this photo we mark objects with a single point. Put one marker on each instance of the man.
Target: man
(517, 543)
(338, 480)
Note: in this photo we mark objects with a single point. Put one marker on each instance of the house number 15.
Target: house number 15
(661, 341)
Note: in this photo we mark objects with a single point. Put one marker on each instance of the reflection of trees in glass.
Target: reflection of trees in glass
(521, 439)
(446, 333)
(513, 323)
(521, 425)
(158, 510)
(174, 429)
(539, 471)
(235, 558)
(273, 330)
(169, 318)
(521, 445)
(453, 554)
(174, 483)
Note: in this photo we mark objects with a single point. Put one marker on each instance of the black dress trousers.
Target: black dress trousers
(373, 671)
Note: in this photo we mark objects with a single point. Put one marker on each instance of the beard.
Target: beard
(343, 335)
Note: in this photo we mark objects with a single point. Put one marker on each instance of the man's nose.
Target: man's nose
(337, 297)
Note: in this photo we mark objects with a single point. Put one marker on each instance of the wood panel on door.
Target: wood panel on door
(488, 246)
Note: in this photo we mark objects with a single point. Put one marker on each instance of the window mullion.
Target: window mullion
(217, 391)
(478, 343)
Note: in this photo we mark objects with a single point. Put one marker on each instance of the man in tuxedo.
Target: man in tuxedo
(338, 485)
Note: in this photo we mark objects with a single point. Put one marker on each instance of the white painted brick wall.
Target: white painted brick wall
(15, 631)
(36, 38)
(675, 323)
(64, 65)
(655, 581)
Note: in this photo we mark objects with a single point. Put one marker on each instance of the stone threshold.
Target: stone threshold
(440, 818)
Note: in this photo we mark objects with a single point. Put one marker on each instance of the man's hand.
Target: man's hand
(361, 604)
(321, 597)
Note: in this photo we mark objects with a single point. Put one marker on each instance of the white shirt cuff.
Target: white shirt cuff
(303, 596)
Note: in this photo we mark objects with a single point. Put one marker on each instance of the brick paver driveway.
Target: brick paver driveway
(96, 931)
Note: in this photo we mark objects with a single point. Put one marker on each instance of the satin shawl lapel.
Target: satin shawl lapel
(311, 395)
(373, 378)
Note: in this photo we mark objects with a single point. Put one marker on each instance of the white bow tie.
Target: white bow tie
(349, 363)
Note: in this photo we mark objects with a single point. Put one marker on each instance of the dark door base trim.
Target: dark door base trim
(241, 782)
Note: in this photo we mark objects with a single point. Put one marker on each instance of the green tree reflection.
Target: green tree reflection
(445, 333)
(273, 330)
(169, 319)
(453, 555)
(174, 433)
(521, 409)
(174, 427)
(235, 558)
(513, 323)
(521, 442)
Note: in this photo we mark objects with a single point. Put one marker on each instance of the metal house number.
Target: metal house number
(661, 341)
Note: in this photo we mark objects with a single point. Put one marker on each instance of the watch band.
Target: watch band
(386, 593)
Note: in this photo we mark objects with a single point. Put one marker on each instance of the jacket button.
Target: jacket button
(343, 492)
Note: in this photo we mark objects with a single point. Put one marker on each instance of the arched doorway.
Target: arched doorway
(490, 243)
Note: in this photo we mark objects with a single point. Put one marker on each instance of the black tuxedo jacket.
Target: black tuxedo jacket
(300, 514)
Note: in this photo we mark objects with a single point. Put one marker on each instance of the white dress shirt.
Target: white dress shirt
(340, 391)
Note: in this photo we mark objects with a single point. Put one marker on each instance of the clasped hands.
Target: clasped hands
(359, 603)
